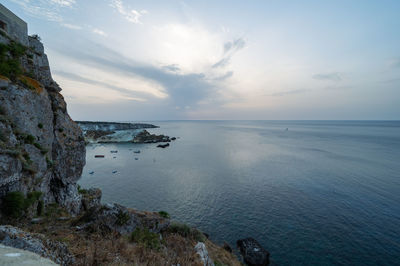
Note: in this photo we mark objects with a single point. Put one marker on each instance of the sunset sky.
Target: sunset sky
(126, 60)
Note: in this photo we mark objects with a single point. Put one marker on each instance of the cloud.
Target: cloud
(100, 32)
(230, 48)
(334, 76)
(63, 2)
(172, 68)
(289, 92)
(395, 63)
(128, 94)
(182, 89)
(131, 15)
(47, 9)
(234, 45)
(71, 26)
(222, 63)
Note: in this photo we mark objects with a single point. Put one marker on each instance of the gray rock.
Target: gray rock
(201, 250)
(253, 253)
(16, 257)
(114, 217)
(36, 243)
(41, 148)
(91, 199)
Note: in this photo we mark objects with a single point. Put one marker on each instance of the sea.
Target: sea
(310, 192)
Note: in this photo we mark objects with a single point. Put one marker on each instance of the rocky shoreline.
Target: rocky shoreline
(42, 155)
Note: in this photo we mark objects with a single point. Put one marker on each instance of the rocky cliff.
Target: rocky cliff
(42, 154)
(42, 151)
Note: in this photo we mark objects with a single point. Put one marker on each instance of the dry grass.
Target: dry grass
(4, 78)
(220, 255)
(33, 84)
(99, 247)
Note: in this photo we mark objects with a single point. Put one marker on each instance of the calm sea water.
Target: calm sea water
(319, 193)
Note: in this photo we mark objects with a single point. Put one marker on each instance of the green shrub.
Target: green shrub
(2, 110)
(186, 231)
(31, 198)
(122, 218)
(13, 204)
(29, 139)
(40, 208)
(60, 130)
(40, 125)
(37, 145)
(164, 214)
(146, 238)
(49, 162)
(16, 49)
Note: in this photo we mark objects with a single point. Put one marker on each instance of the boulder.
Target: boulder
(253, 253)
(117, 218)
(36, 243)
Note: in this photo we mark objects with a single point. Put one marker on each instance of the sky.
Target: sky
(127, 60)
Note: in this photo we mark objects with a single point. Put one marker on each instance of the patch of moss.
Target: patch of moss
(146, 238)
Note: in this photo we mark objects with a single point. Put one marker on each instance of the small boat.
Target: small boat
(99, 156)
(136, 159)
(115, 171)
(136, 152)
(114, 151)
(91, 172)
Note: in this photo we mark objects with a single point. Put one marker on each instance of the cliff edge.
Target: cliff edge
(42, 154)
(42, 151)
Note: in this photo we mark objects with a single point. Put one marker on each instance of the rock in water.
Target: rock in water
(163, 145)
(253, 253)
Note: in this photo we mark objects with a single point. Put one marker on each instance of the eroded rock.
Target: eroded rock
(253, 253)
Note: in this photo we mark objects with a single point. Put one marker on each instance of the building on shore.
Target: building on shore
(13, 26)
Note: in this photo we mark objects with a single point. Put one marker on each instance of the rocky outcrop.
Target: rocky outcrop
(114, 217)
(41, 149)
(253, 253)
(201, 250)
(36, 243)
(112, 126)
(146, 137)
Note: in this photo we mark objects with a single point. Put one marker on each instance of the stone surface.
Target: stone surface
(114, 217)
(146, 137)
(36, 243)
(41, 148)
(16, 28)
(253, 253)
(201, 250)
(111, 126)
(91, 199)
(16, 257)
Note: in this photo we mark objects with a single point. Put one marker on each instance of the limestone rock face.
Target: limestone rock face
(41, 148)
